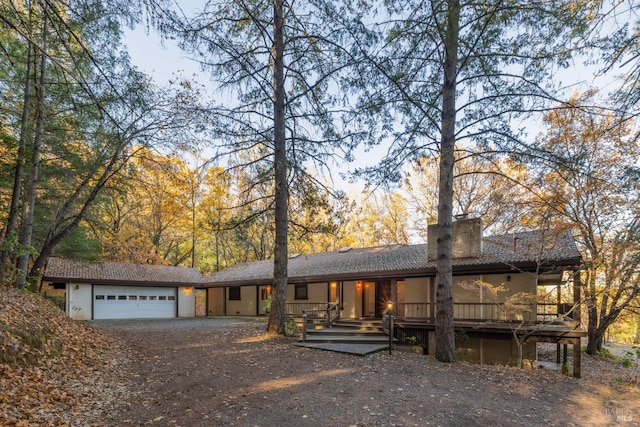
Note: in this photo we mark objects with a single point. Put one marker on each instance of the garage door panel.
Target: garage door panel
(133, 302)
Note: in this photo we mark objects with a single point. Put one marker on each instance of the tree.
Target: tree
(620, 44)
(489, 188)
(594, 188)
(80, 130)
(282, 60)
(459, 72)
(378, 219)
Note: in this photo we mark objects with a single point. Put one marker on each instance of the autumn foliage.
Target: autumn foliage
(52, 368)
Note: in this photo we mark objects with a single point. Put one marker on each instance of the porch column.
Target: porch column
(432, 301)
(394, 294)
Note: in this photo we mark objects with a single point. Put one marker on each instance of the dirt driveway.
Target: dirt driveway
(227, 372)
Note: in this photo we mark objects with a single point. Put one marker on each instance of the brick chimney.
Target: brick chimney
(467, 238)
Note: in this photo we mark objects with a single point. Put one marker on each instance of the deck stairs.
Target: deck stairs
(355, 336)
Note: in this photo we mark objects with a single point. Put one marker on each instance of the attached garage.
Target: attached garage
(119, 302)
(124, 291)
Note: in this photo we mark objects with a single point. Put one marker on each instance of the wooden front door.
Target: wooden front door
(383, 296)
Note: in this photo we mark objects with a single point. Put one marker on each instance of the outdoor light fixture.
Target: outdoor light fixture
(508, 278)
(390, 325)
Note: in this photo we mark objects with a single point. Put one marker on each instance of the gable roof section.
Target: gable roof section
(66, 270)
(527, 251)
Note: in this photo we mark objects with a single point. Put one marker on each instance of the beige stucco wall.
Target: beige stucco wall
(349, 304)
(316, 293)
(186, 301)
(215, 298)
(246, 306)
(79, 301)
(416, 289)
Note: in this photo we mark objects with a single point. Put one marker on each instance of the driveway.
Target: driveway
(228, 372)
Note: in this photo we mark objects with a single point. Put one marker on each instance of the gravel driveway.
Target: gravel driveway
(228, 372)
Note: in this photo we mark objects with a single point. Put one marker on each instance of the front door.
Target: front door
(375, 297)
(383, 296)
(264, 299)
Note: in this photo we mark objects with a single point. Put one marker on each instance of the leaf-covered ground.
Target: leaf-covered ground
(228, 372)
(54, 370)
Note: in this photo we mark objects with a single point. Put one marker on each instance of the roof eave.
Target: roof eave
(116, 282)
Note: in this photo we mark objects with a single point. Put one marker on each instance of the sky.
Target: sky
(164, 61)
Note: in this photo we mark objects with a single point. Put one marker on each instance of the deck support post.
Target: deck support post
(576, 358)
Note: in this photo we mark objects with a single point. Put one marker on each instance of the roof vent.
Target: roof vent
(292, 256)
(345, 249)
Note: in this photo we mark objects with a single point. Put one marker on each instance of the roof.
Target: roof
(526, 251)
(67, 270)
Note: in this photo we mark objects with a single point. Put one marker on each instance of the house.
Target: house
(109, 290)
(518, 284)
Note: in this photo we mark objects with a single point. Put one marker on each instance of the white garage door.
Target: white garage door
(133, 302)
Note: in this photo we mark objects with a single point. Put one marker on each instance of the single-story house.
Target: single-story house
(110, 290)
(493, 276)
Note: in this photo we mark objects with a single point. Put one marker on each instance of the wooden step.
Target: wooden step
(348, 339)
(344, 331)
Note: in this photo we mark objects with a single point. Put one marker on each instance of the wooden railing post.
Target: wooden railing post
(304, 325)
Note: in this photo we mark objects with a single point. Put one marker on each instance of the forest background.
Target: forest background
(100, 162)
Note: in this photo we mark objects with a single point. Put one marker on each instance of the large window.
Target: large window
(301, 292)
(234, 293)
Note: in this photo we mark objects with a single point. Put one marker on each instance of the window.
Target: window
(301, 292)
(99, 296)
(234, 293)
(171, 298)
(112, 297)
(143, 297)
(163, 297)
(152, 297)
(133, 297)
(122, 297)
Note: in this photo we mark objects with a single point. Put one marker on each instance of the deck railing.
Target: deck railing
(320, 316)
(320, 312)
(477, 311)
(295, 309)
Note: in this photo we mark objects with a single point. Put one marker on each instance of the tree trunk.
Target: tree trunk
(592, 315)
(30, 202)
(12, 218)
(445, 334)
(276, 316)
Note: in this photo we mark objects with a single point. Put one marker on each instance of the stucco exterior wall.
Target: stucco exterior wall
(246, 306)
(79, 301)
(318, 292)
(215, 297)
(349, 302)
(186, 301)
(412, 296)
(416, 289)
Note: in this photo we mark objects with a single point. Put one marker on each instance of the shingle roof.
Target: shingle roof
(525, 250)
(66, 270)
